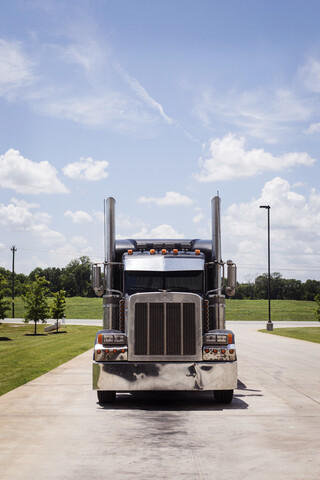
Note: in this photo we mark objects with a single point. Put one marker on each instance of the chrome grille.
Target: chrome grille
(165, 329)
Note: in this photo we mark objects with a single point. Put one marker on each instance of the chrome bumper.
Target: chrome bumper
(131, 376)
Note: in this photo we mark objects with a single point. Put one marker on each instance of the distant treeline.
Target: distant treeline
(280, 288)
(75, 280)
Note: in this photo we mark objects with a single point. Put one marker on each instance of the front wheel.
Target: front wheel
(223, 396)
(105, 396)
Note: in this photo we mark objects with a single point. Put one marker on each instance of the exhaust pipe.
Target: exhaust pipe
(112, 297)
(216, 242)
(110, 240)
(216, 300)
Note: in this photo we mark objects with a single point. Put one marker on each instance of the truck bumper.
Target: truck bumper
(131, 376)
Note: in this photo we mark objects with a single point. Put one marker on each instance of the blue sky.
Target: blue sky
(161, 105)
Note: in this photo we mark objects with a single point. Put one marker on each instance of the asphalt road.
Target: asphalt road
(53, 428)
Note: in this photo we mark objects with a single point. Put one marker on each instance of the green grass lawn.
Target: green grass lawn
(310, 334)
(91, 308)
(76, 307)
(24, 356)
(293, 310)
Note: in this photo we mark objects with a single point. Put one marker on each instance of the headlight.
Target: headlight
(209, 338)
(218, 338)
(222, 338)
(119, 338)
(107, 338)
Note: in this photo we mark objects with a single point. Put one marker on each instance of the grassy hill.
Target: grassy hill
(91, 308)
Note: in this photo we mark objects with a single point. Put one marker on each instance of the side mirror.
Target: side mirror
(231, 278)
(96, 280)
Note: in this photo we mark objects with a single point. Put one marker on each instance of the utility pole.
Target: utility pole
(13, 250)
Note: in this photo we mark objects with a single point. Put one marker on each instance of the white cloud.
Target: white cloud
(128, 222)
(227, 159)
(197, 218)
(295, 227)
(87, 169)
(100, 94)
(262, 114)
(23, 203)
(141, 93)
(16, 70)
(51, 238)
(65, 253)
(310, 75)
(170, 199)
(79, 241)
(25, 176)
(16, 218)
(163, 231)
(79, 216)
(313, 128)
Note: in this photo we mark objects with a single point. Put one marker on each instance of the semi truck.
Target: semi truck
(164, 315)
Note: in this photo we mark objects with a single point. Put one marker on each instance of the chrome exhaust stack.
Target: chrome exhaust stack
(216, 299)
(216, 242)
(110, 240)
(112, 297)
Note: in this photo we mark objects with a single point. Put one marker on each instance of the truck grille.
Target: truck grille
(165, 329)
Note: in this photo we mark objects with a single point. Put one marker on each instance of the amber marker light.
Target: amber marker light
(152, 251)
(115, 351)
(175, 251)
(98, 351)
(223, 351)
(130, 252)
(197, 252)
(230, 338)
(163, 251)
(100, 338)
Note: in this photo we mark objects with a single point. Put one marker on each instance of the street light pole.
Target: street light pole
(269, 324)
(13, 250)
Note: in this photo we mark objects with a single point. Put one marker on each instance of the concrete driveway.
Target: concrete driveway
(53, 427)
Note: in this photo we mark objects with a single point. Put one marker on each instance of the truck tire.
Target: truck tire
(106, 397)
(223, 396)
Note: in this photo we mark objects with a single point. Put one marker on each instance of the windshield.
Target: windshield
(182, 281)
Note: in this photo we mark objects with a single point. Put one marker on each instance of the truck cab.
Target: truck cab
(164, 323)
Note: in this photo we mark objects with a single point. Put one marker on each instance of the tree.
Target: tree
(4, 290)
(276, 286)
(292, 289)
(310, 289)
(75, 279)
(36, 302)
(53, 275)
(58, 306)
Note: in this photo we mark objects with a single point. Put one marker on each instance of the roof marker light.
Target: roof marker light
(130, 252)
(175, 251)
(152, 251)
(163, 251)
(197, 252)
